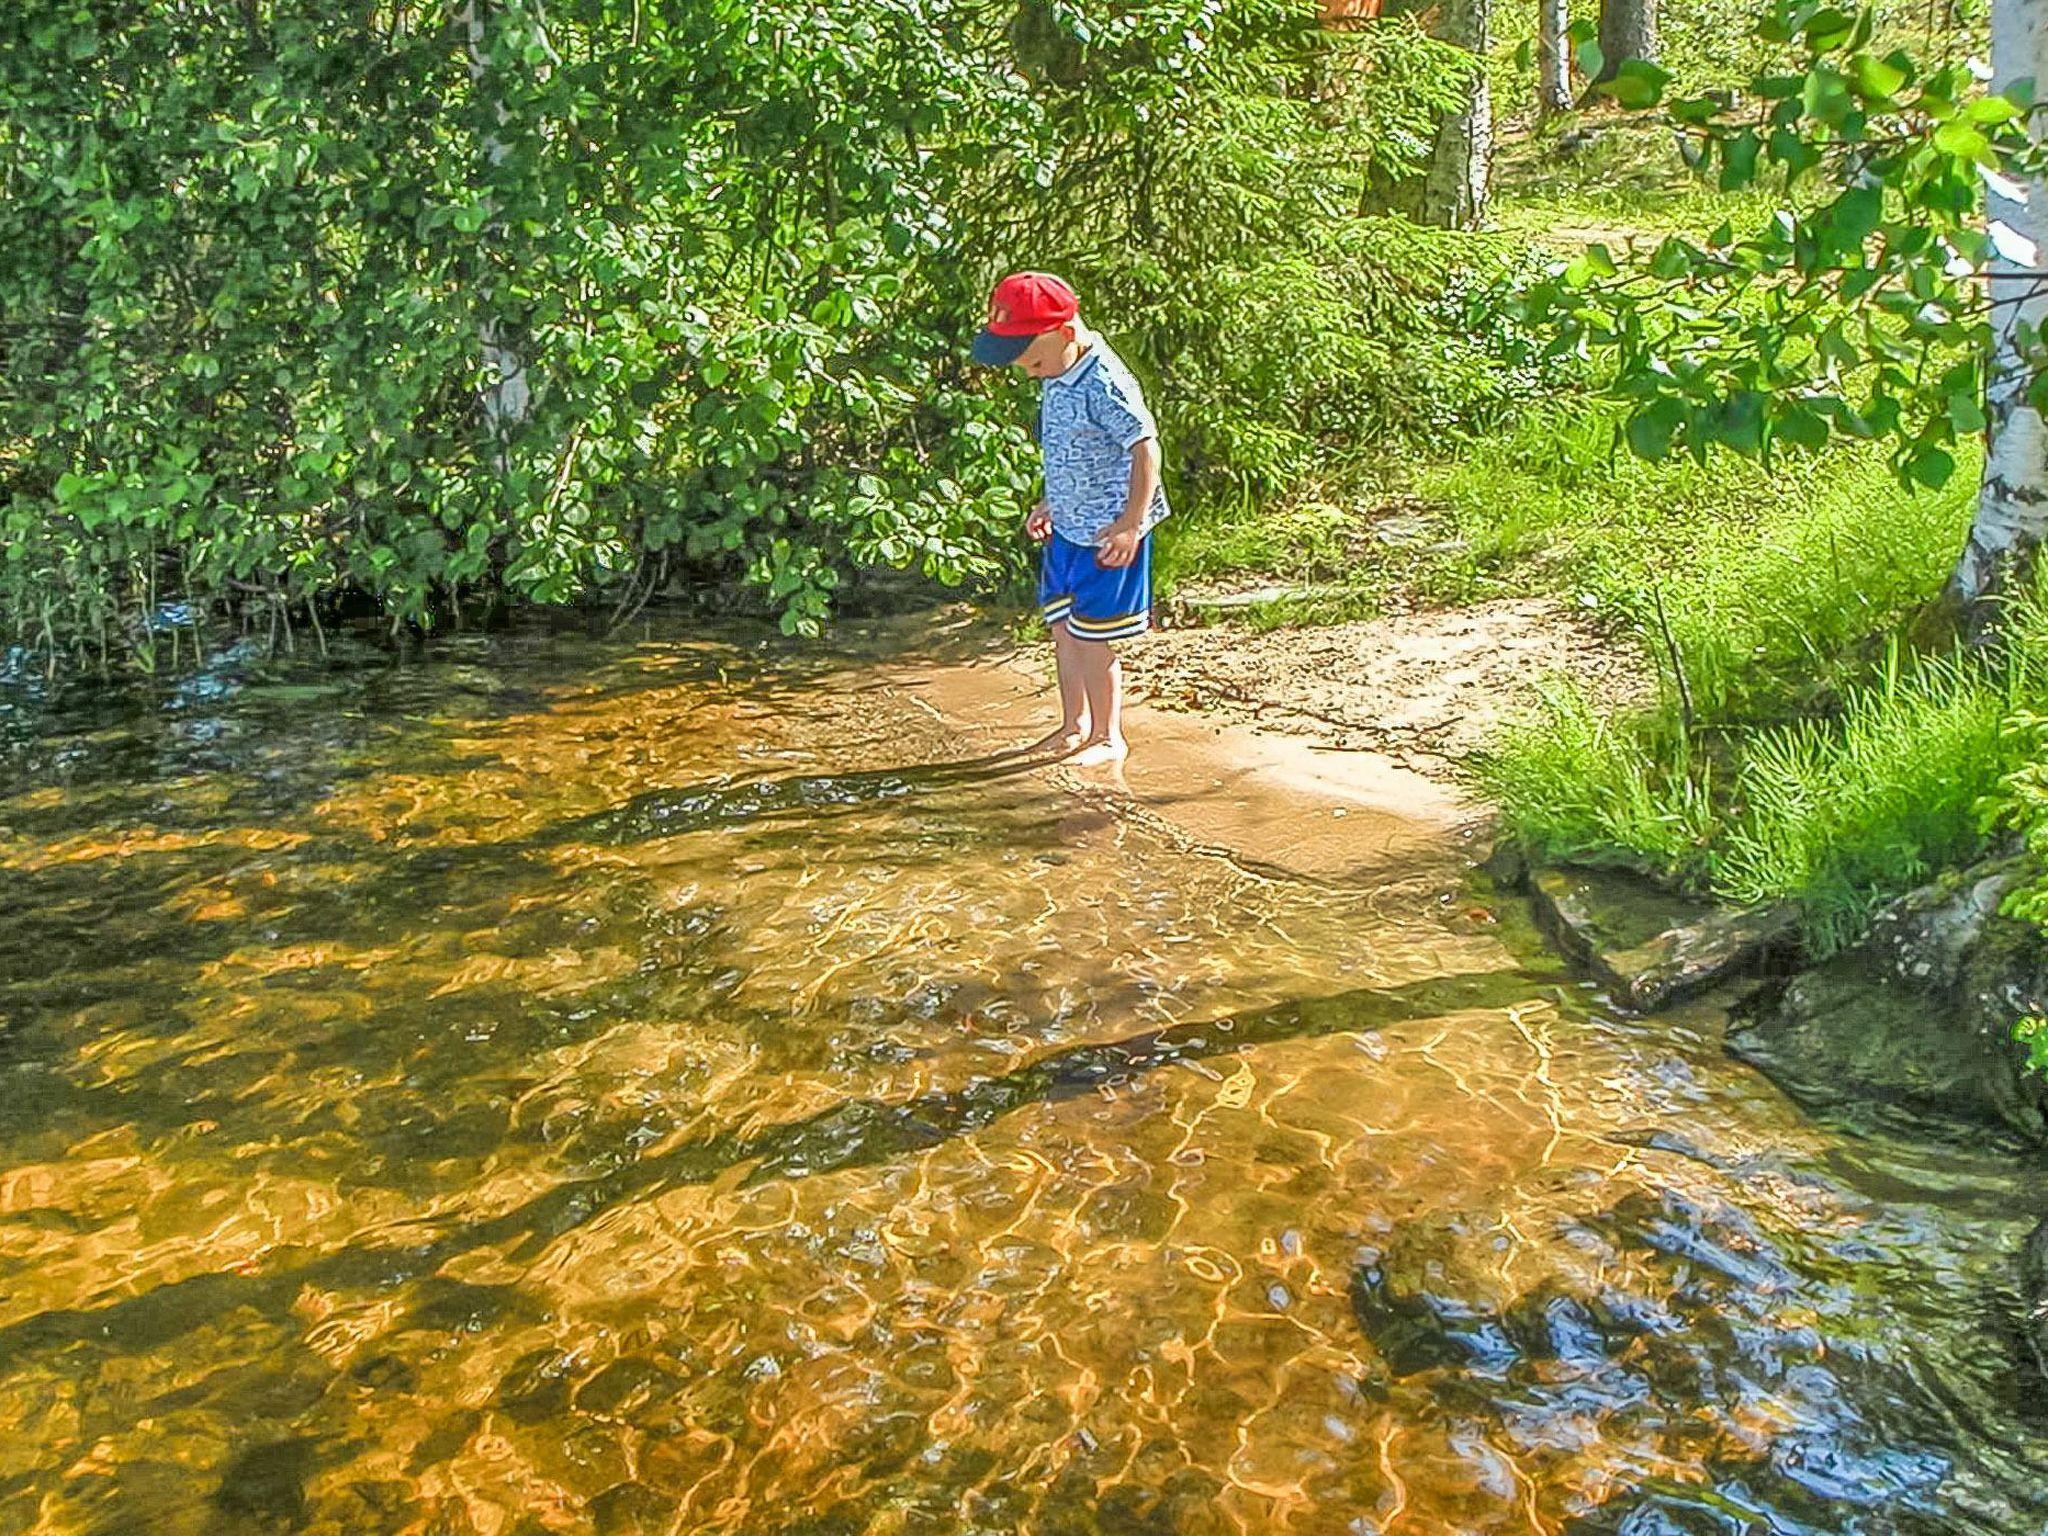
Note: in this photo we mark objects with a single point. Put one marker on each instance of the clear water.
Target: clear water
(556, 1086)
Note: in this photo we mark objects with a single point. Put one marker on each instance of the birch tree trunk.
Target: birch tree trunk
(1628, 30)
(507, 396)
(2012, 502)
(1461, 165)
(1553, 57)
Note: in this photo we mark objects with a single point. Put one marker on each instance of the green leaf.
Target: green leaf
(1637, 84)
(1828, 29)
(1856, 214)
(1990, 110)
(1801, 426)
(1650, 430)
(1962, 139)
(1826, 95)
(1738, 421)
(1591, 263)
(1672, 260)
(1738, 160)
(1877, 79)
(1930, 466)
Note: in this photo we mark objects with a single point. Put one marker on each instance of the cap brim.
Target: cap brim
(995, 351)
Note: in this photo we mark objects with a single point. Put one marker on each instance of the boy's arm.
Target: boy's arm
(1119, 543)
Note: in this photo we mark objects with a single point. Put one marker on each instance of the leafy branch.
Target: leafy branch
(1862, 307)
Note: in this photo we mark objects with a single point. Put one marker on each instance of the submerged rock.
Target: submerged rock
(1918, 1015)
(2035, 1289)
(268, 1481)
(1649, 947)
(1666, 1321)
(1414, 1329)
(1680, 962)
(1507, 866)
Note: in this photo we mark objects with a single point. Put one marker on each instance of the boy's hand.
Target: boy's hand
(1118, 547)
(1038, 524)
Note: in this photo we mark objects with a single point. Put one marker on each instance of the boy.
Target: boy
(1102, 499)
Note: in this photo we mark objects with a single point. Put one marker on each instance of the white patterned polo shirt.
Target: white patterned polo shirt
(1089, 420)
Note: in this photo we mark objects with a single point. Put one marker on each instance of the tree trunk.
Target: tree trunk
(1553, 57)
(2012, 502)
(507, 397)
(1628, 30)
(1461, 165)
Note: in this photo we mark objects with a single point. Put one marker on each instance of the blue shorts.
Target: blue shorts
(1095, 602)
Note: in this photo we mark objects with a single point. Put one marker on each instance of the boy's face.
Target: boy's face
(1049, 355)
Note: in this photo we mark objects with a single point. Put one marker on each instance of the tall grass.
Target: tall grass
(1307, 539)
(1577, 781)
(1776, 604)
(1795, 752)
(1835, 815)
(1556, 484)
(1751, 586)
(1832, 814)
(1613, 179)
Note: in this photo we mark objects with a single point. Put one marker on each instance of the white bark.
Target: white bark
(2012, 502)
(1553, 56)
(507, 397)
(1461, 166)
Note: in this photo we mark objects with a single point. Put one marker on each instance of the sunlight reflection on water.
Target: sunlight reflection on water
(568, 1087)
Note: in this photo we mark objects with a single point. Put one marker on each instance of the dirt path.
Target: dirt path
(1427, 688)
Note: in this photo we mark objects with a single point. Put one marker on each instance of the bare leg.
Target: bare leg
(1102, 682)
(1067, 653)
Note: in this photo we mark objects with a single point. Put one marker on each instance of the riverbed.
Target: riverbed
(703, 1084)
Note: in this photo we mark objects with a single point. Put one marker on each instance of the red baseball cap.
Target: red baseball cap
(1024, 306)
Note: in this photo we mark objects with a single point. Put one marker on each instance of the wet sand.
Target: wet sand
(1287, 801)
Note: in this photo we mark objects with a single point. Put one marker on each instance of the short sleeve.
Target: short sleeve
(1118, 408)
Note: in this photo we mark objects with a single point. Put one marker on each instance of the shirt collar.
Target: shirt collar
(1087, 360)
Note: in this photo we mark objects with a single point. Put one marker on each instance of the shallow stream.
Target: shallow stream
(676, 1086)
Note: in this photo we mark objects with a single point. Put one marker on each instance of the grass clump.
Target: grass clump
(1552, 496)
(1764, 614)
(1752, 587)
(1836, 815)
(1831, 814)
(1577, 781)
(1793, 752)
(1309, 540)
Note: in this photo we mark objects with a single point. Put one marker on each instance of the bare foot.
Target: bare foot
(1095, 753)
(1058, 743)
